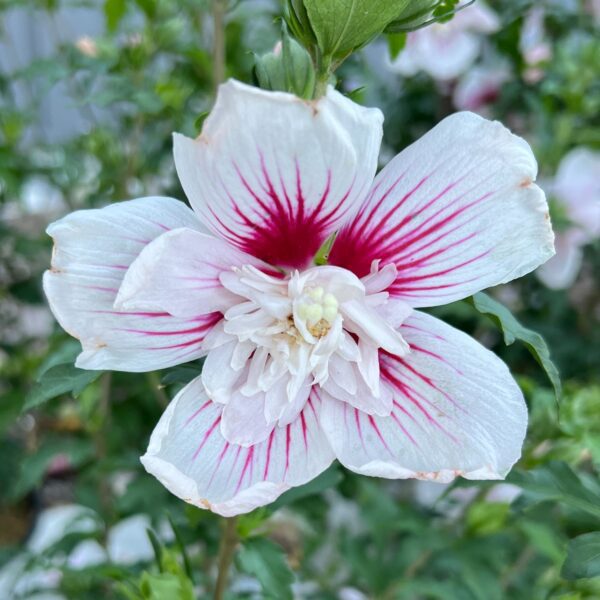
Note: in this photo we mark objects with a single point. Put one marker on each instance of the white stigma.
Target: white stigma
(317, 310)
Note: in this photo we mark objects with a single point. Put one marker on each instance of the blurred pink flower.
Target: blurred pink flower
(480, 86)
(446, 50)
(577, 190)
(533, 44)
(306, 363)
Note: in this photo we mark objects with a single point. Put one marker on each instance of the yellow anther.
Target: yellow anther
(316, 293)
(330, 313)
(314, 313)
(330, 300)
(303, 311)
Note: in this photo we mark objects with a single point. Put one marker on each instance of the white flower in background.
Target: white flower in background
(447, 50)
(480, 86)
(127, 544)
(576, 190)
(534, 45)
(306, 363)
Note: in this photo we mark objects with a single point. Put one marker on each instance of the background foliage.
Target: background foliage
(74, 437)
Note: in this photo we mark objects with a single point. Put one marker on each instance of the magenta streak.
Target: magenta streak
(198, 329)
(411, 278)
(413, 396)
(237, 455)
(358, 426)
(181, 345)
(374, 426)
(268, 460)
(312, 407)
(431, 226)
(377, 232)
(402, 387)
(408, 289)
(163, 227)
(101, 289)
(193, 416)
(404, 262)
(428, 381)
(425, 331)
(206, 436)
(402, 428)
(288, 441)
(130, 314)
(304, 432)
(437, 356)
(363, 219)
(247, 463)
(218, 465)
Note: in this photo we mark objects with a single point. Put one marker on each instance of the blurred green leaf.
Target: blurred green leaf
(114, 11)
(396, 43)
(58, 380)
(266, 561)
(556, 481)
(513, 330)
(583, 557)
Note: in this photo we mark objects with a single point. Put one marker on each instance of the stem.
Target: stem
(100, 443)
(219, 10)
(226, 552)
(323, 68)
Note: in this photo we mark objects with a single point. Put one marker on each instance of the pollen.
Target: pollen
(320, 328)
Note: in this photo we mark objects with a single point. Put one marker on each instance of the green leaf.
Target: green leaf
(583, 557)
(34, 467)
(422, 13)
(342, 26)
(58, 380)
(512, 330)
(396, 43)
(166, 585)
(266, 561)
(556, 481)
(114, 11)
(287, 69)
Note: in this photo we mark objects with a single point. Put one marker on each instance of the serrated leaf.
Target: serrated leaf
(512, 331)
(583, 557)
(266, 561)
(556, 481)
(58, 380)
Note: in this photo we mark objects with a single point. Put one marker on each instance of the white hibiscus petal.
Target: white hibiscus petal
(189, 456)
(456, 212)
(456, 411)
(93, 250)
(274, 174)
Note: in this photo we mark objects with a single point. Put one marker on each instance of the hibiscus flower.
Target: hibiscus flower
(576, 193)
(307, 363)
(446, 50)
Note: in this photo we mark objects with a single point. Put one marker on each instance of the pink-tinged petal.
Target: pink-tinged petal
(243, 419)
(92, 251)
(456, 412)
(561, 271)
(456, 212)
(274, 175)
(190, 457)
(577, 186)
(179, 273)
